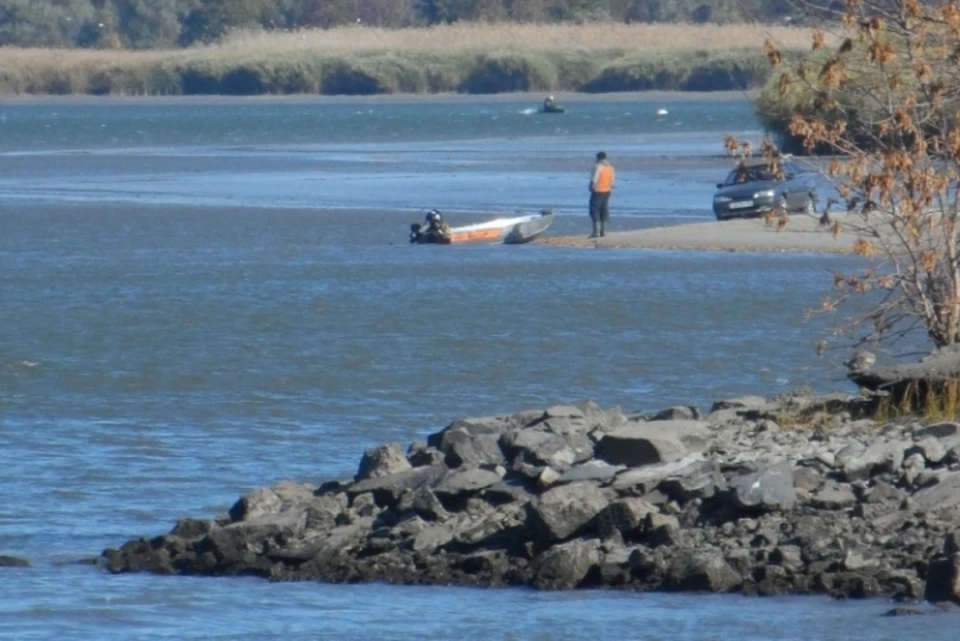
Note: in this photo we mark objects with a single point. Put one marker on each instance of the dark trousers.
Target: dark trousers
(600, 206)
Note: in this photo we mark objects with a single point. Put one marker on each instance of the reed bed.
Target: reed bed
(469, 58)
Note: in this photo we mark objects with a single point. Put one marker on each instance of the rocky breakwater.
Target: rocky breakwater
(796, 494)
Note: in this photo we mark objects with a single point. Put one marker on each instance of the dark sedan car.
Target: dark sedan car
(751, 190)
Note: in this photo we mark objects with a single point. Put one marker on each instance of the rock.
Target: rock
(701, 571)
(548, 478)
(461, 448)
(387, 489)
(623, 517)
(834, 496)
(566, 510)
(788, 556)
(945, 494)
(945, 429)
(458, 482)
(591, 471)
(384, 460)
(566, 565)
(878, 458)
(770, 488)
(697, 480)
(913, 467)
(638, 444)
(807, 479)
(190, 529)
(539, 448)
(508, 491)
(424, 502)
(256, 504)
(741, 403)
(932, 449)
(661, 529)
(422, 455)
(905, 611)
(7, 561)
(678, 413)
(645, 479)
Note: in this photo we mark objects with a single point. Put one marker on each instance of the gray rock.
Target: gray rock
(490, 527)
(643, 480)
(256, 504)
(387, 489)
(807, 479)
(701, 571)
(624, 517)
(878, 458)
(945, 494)
(7, 561)
(424, 502)
(566, 565)
(462, 448)
(944, 429)
(460, 482)
(548, 478)
(834, 497)
(591, 471)
(678, 413)
(698, 480)
(382, 461)
(932, 449)
(539, 448)
(788, 556)
(770, 488)
(661, 529)
(567, 510)
(508, 491)
(741, 403)
(913, 466)
(637, 444)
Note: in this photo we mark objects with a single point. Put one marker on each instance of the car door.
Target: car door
(796, 187)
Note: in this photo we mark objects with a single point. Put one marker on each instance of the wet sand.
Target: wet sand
(801, 234)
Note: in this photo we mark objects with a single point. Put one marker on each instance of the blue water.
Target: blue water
(188, 314)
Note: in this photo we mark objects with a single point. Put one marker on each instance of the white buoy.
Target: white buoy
(662, 111)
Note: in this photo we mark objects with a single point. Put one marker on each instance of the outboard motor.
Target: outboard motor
(415, 232)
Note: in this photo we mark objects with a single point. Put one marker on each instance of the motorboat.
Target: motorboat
(514, 230)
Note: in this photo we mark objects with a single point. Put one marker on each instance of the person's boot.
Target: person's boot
(601, 229)
(596, 230)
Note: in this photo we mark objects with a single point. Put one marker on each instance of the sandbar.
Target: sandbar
(802, 233)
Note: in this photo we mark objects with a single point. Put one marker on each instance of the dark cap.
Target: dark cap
(602, 155)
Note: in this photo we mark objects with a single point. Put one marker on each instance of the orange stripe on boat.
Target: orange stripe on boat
(479, 234)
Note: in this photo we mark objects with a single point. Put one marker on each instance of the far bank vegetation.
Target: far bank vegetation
(173, 47)
(466, 58)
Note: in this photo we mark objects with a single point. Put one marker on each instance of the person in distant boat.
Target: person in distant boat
(437, 229)
(601, 185)
(549, 103)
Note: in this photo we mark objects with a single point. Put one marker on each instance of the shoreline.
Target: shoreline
(790, 495)
(802, 234)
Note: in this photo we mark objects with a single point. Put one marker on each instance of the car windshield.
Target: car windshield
(748, 175)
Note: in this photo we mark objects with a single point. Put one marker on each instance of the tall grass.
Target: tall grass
(470, 58)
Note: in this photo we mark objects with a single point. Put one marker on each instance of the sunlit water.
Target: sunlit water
(187, 312)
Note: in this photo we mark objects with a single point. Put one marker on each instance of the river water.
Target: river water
(201, 297)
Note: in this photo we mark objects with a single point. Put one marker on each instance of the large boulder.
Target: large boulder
(462, 448)
(645, 443)
(382, 461)
(387, 489)
(7, 561)
(769, 488)
(944, 494)
(464, 482)
(566, 565)
(877, 458)
(566, 510)
(701, 571)
(539, 447)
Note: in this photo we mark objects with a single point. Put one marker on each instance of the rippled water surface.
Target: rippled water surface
(200, 298)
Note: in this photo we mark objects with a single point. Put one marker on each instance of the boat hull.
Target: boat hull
(509, 231)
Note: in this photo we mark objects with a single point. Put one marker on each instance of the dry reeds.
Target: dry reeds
(470, 58)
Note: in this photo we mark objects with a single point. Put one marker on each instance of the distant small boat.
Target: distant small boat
(515, 230)
(662, 111)
(552, 109)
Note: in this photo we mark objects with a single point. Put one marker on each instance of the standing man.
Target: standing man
(601, 184)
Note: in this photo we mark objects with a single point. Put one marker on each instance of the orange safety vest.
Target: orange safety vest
(604, 179)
